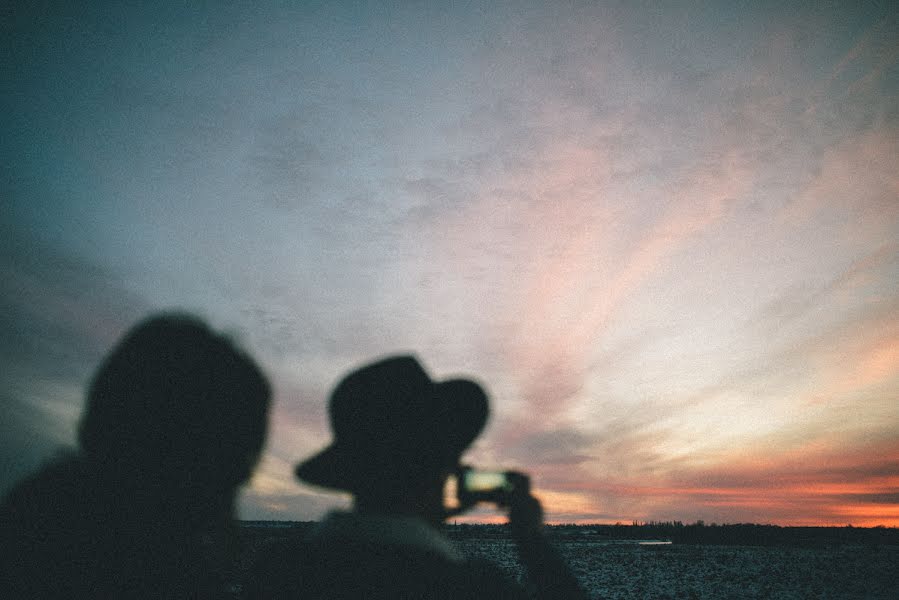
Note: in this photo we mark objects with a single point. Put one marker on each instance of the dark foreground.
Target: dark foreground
(716, 571)
(828, 564)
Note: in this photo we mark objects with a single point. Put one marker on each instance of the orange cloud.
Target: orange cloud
(877, 365)
(815, 484)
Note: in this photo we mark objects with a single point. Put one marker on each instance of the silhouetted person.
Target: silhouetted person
(175, 420)
(398, 435)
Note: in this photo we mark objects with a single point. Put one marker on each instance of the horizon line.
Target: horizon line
(698, 523)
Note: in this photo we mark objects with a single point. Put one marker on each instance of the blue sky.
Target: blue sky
(663, 238)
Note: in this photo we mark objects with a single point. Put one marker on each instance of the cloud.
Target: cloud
(291, 506)
(567, 261)
(850, 357)
(814, 485)
(556, 447)
(274, 493)
(854, 191)
(59, 312)
(577, 185)
(801, 301)
(58, 315)
(564, 206)
(289, 165)
(31, 433)
(872, 54)
(814, 480)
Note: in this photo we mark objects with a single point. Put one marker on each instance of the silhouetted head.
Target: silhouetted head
(179, 403)
(396, 430)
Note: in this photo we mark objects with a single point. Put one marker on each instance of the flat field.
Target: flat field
(625, 571)
(615, 562)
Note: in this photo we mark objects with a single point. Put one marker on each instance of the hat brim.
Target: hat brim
(462, 409)
(330, 468)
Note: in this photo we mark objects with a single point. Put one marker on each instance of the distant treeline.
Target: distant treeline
(740, 534)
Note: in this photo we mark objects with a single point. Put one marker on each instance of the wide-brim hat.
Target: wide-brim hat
(390, 419)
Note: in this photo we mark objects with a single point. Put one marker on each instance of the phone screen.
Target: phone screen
(483, 481)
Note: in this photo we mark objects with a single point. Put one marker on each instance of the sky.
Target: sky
(663, 236)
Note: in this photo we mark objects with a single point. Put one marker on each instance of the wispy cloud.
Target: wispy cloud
(59, 316)
(810, 485)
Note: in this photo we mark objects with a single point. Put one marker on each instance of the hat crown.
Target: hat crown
(378, 398)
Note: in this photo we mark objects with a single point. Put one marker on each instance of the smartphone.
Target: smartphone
(475, 485)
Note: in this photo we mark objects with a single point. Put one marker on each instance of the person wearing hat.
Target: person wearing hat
(175, 420)
(398, 436)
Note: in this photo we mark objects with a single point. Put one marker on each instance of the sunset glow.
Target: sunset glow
(664, 240)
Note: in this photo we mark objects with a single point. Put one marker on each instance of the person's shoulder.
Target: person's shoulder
(277, 566)
(42, 529)
(413, 572)
(342, 567)
(47, 492)
(489, 580)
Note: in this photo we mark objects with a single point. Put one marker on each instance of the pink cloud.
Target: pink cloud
(858, 179)
(813, 485)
